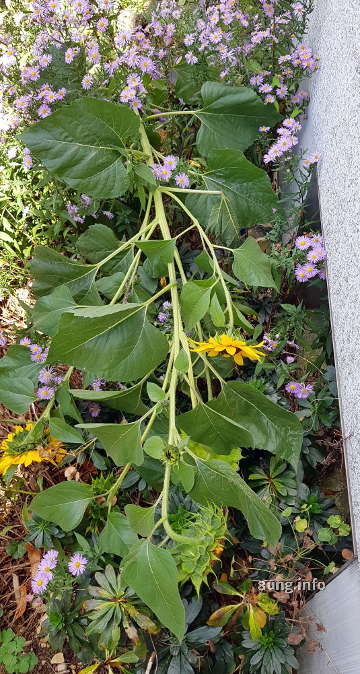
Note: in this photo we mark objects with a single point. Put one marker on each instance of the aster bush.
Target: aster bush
(159, 350)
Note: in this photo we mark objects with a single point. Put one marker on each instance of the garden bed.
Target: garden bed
(171, 446)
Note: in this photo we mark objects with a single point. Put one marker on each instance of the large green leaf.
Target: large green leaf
(50, 270)
(48, 309)
(141, 519)
(243, 417)
(159, 254)
(195, 300)
(18, 359)
(252, 266)
(62, 431)
(97, 242)
(152, 573)
(230, 117)
(121, 441)
(127, 400)
(246, 196)
(64, 504)
(82, 144)
(17, 392)
(117, 537)
(218, 482)
(116, 342)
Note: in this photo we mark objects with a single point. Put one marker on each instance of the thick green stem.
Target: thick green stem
(217, 267)
(164, 512)
(179, 336)
(115, 488)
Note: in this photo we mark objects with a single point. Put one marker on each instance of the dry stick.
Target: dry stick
(150, 663)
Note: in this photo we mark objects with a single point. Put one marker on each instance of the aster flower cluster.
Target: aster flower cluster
(147, 51)
(269, 343)
(165, 170)
(313, 246)
(299, 389)
(48, 566)
(48, 376)
(164, 315)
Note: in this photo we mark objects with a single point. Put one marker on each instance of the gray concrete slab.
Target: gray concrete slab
(333, 130)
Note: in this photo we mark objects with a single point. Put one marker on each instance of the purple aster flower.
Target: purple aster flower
(46, 375)
(303, 242)
(182, 180)
(70, 54)
(265, 88)
(304, 391)
(264, 129)
(27, 161)
(136, 104)
(40, 582)
(35, 348)
(38, 357)
(97, 384)
(61, 93)
(94, 409)
(163, 173)
(301, 274)
(317, 240)
(269, 98)
(289, 359)
(189, 39)
(291, 342)
(310, 269)
(171, 162)
(102, 24)
(162, 317)
(322, 274)
(77, 564)
(166, 305)
(282, 91)
(51, 556)
(146, 65)
(108, 214)
(25, 341)
(44, 111)
(87, 81)
(292, 387)
(45, 392)
(86, 199)
(3, 340)
(58, 379)
(191, 58)
(316, 255)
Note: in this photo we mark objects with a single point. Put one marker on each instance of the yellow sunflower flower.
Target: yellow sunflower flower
(227, 346)
(15, 451)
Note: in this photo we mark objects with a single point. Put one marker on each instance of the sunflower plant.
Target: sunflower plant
(182, 348)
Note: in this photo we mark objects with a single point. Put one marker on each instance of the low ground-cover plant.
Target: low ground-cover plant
(167, 359)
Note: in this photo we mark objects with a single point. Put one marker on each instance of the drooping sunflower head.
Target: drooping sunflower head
(229, 347)
(20, 447)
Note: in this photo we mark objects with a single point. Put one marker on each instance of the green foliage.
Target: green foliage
(270, 652)
(11, 653)
(94, 166)
(151, 572)
(64, 504)
(217, 481)
(230, 117)
(112, 606)
(245, 196)
(252, 266)
(195, 561)
(242, 416)
(171, 419)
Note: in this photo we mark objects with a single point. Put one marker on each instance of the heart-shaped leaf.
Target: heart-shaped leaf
(82, 144)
